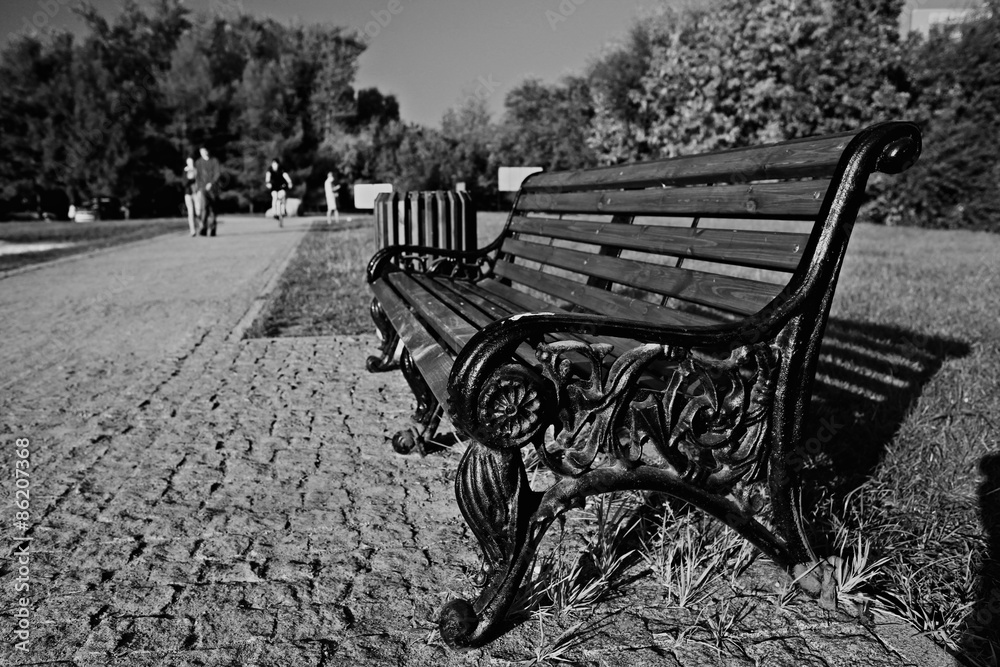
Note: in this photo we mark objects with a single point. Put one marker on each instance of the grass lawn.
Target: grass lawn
(323, 290)
(905, 486)
(23, 243)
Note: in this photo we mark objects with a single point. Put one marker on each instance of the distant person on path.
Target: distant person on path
(331, 199)
(276, 179)
(207, 179)
(190, 193)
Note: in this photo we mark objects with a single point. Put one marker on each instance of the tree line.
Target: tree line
(116, 111)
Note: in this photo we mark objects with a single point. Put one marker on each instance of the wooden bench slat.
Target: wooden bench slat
(493, 302)
(656, 372)
(433, 361)
(471, 310)
(807, 158)
(454, 330)
(795, 200)
(598, 300)
(457, 302)
(519, 302)
(780, 251)
(728, 293)
(523, 302)
(494, 308)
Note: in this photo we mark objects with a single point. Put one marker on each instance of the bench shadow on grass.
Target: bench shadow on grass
(868, 378)
(981, 630)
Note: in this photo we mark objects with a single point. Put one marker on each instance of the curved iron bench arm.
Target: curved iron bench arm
(426, 257)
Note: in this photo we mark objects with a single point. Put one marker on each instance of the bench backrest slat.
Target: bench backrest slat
(598, 300)
(795, 200)
(728, 293)
(780, 251)
(815, 157)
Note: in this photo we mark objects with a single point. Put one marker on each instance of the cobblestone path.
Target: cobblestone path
(199, 500)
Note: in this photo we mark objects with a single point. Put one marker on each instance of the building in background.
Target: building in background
(922, 15)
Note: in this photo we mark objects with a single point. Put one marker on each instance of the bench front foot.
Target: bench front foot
(501, 510)
(385, 361)
(417, 437)
(427, 416)
(509, 521)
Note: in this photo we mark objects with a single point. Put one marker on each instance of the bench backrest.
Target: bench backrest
(697, 240)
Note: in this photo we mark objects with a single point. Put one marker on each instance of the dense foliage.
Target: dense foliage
(117, 112)
(956, 182)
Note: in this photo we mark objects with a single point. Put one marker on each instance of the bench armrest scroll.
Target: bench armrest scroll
(428, 259)
(493, 347)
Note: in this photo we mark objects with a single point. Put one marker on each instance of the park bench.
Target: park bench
(651, 326)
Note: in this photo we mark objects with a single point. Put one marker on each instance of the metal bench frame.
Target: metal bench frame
(722, 431)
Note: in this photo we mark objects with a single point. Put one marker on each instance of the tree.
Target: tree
(468, 134)
(856, 74)
(31, 156)
(546, 125)
(734, 73)
(372, 105)
(116, 112)
(956, 181)
(620, 126)
(407, 155)
(121, 147)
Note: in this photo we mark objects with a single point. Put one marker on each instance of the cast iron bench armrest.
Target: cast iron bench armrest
(392, 256)
(494, 345)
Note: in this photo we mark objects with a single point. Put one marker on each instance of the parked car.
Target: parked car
(101, 207)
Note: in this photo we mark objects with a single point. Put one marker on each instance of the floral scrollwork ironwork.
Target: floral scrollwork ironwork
(709, 423)
(512, 410)
(462, 269)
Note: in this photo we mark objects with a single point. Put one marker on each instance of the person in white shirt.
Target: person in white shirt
(191, 199)
(331, 199)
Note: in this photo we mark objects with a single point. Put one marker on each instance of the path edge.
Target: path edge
(264, 296)
(80, 255)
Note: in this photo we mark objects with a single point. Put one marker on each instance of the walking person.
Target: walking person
(206, 181)
(190, 193)
(277, 179)
(331, 199)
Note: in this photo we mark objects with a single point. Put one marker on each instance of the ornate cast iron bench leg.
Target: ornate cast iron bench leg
(705, 439)
(390, 339)
(427, 416)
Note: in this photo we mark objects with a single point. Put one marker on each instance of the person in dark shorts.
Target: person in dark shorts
(278, 182)
(207, 190)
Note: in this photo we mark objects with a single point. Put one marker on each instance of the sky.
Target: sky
(430, 54)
